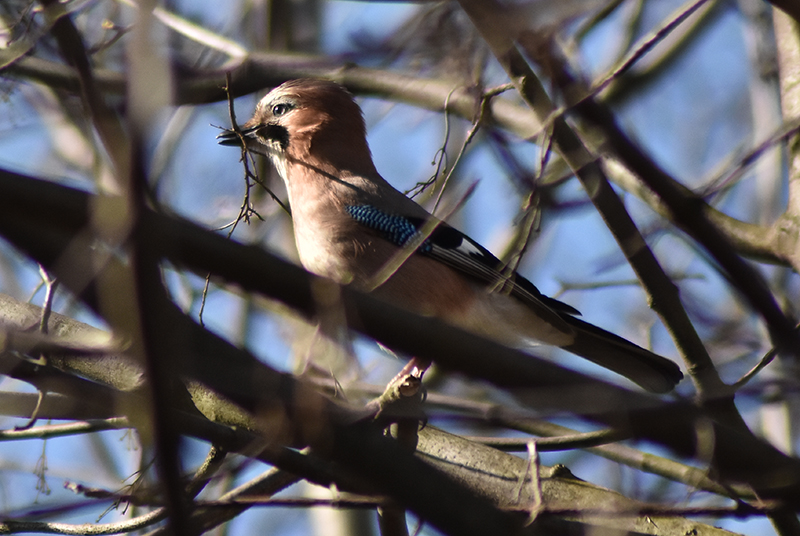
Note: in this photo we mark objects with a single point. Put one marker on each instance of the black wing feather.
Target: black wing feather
(455, 249)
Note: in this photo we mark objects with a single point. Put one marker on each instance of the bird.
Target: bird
(349, 222)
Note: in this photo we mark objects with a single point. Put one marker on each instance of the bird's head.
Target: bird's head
(307, 121)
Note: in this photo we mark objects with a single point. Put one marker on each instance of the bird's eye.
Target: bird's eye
(280, 109)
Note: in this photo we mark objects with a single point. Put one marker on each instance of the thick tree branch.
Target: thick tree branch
(201, 355)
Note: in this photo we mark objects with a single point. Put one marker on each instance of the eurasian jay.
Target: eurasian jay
(349, 222)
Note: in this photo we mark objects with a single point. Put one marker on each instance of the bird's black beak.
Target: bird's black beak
(256, 137)
(231, 137)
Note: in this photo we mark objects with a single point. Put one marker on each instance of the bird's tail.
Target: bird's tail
(650, 371)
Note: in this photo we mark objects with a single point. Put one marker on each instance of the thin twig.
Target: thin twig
(645, 46)
(440, 158)
(750, 374)
(552, 444)
(485, 100)
(730, 176)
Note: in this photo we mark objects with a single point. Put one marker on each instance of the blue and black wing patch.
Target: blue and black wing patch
(398, 230)
(455, 249)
